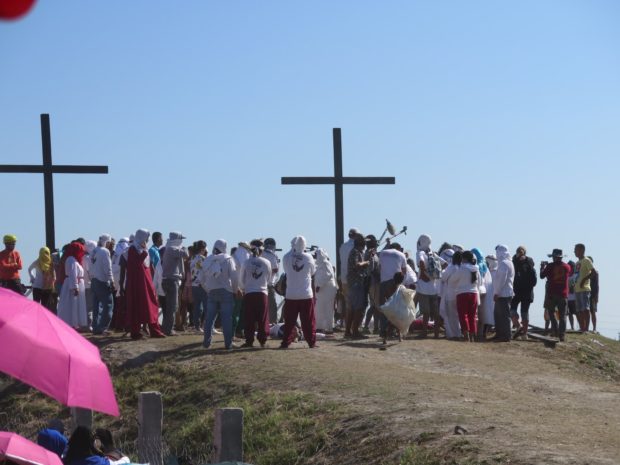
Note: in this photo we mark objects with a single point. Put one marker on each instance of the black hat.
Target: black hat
(556, 253)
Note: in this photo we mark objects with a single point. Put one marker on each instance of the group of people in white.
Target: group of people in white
(133, 286)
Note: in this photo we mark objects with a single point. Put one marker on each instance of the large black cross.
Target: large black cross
(338, 180)
(47, 168)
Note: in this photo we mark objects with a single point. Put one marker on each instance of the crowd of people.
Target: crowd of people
(126, 285)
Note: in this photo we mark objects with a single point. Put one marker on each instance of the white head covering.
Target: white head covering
(458, 248)
(298, 244)
(447, 255)
(502, 253)
(142, 235)
(175, 239)
(90, 247)
(220, 245)
(241, 255)
(324, 268)
(121, 246)
(424, 243)
(491, 262)
(103, 239)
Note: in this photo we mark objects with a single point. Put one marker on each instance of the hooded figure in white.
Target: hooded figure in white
(299, 267)
(326, 289)
(502, 293)
(121, 247)
(487, 309)
(219, 278)
(447, 306)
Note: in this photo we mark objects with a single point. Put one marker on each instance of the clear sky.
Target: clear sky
(499, 120)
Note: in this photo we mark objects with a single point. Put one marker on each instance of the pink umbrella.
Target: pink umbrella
(43, 351)
(20, 450)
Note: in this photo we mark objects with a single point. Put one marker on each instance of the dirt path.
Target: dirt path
(517, 400)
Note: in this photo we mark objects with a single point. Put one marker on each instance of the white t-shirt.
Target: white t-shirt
(410, 277)
(427, 287)
(299, 268)
(275, 264)
(391, 262)
(255, 275)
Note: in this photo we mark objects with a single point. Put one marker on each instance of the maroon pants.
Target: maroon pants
(466, 306)
(256, 312)
(305, 310)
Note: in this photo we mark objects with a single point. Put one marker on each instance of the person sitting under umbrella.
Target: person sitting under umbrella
(82, 449)
(53, 438)
(114, 455)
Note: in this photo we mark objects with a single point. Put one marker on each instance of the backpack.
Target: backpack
(280, 286)
(433, 266)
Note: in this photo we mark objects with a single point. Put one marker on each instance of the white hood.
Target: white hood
(502, 253)
(424, 243)
(220, 245)
(142, 235)
(298, 244)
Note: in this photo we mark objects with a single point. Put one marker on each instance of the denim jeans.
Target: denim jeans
(219, 301)
(171, 288)
(200, 305)
(103, 305)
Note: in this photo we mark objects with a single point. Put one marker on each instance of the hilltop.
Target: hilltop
(348, 402)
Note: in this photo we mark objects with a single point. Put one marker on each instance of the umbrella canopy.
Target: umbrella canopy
(43, 351)
(20, 450)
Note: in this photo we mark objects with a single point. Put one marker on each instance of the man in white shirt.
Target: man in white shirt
(427, 287)
(219, 278)
(255, 278)
(299, 267)
(391, 261)
(102, 285)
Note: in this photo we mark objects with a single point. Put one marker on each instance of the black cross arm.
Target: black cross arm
(334, 180)
(71, 169)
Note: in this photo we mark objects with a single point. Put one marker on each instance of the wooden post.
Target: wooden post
(228, 435)
(150, 425)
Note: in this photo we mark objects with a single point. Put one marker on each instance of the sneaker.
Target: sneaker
(216, 331)
(171, 333)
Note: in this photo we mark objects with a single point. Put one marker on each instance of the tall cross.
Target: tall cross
(338, 180)
(47, 168)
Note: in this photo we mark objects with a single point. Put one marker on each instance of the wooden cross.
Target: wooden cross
(338, 181)
(47, 168)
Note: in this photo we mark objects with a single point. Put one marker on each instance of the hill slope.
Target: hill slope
(518, 402)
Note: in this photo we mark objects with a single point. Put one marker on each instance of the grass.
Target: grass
(279, 427)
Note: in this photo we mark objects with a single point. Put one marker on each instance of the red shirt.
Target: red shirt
(10, 264)
(557, 275)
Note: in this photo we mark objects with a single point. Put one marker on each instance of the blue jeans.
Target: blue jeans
(222, 301)
(200, 305)
(103, 305)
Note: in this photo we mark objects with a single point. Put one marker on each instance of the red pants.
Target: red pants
(466, 306)
(256, 311)
(305, 309)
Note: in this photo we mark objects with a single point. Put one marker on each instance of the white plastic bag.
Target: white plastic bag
(400, 309)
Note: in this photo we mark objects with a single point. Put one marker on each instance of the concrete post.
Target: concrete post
(150, 425)
(81, 417)
(228, 435)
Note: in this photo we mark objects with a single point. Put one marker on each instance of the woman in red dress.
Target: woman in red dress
(140, 297)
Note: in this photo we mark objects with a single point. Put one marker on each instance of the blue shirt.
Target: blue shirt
(52, 440)
(154, 255)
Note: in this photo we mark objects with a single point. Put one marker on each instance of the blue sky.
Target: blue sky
(498, 119)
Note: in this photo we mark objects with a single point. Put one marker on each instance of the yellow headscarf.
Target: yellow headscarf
(10, 239)
(45, 259)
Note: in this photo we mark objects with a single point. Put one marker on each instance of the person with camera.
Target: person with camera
(557, 274)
